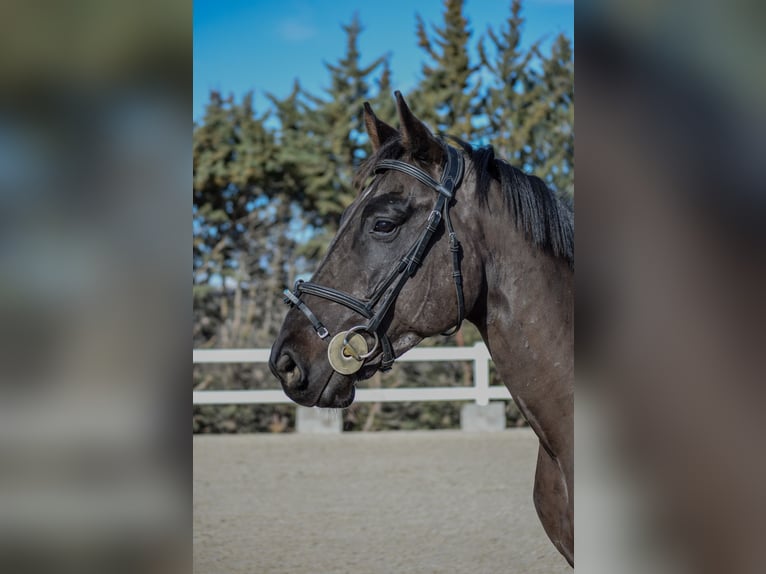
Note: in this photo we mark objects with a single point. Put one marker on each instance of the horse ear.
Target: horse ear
(416, 136)
(378, 131)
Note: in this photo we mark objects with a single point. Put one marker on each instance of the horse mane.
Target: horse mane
(545, 219)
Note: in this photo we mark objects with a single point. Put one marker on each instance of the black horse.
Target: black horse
(441, 233)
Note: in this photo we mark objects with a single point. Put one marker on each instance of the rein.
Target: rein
(347, 351)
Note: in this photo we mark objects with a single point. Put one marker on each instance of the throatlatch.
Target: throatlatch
(348, 350)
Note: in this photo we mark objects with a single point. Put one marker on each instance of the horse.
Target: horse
(440, 232)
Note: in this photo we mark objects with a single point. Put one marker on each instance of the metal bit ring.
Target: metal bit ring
(374, 345)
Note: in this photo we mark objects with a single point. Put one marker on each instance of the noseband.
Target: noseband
(389, 289)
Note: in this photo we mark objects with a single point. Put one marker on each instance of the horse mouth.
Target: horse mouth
(338, 393)
(339, 390)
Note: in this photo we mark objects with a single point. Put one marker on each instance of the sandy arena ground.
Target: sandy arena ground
(398, 502)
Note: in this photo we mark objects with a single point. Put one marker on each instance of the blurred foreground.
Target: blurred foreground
(95, 168)
(671, 129)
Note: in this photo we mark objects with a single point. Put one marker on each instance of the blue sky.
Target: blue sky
(263, 45)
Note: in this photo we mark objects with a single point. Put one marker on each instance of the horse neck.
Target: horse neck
(526, 319)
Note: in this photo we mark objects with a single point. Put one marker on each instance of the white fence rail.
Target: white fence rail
(481, 392)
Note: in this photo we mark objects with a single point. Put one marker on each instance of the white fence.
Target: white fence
(481, 392)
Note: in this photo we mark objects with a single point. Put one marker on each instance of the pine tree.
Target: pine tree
(338, 128)
(529, 103)
(446, 94)
(241, 214)
(558, 138)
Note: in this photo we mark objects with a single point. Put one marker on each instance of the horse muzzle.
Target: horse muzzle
(313, 383)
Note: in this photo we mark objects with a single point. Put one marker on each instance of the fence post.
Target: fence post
(482, 416)
(314, 420)
(481, 373)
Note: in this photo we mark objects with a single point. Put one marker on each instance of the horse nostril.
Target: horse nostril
(285, 364)
(291, 372)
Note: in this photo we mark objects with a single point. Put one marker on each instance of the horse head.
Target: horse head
(394, 273)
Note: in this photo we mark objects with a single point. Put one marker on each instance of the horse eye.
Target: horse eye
(384, 226)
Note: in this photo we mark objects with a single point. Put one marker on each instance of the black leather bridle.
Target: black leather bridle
(389, 289)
